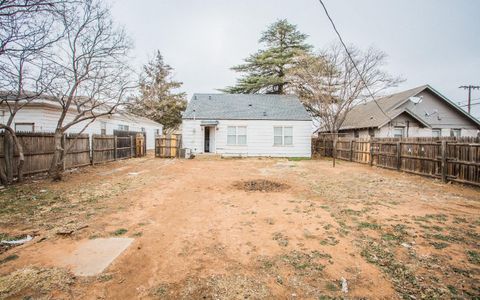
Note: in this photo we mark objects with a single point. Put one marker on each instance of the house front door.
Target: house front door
(207, 140)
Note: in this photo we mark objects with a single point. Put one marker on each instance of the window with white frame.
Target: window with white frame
(143, 129)
(398, 132)
(456, 132)
(103, 128)
(25, 127)
(436, 132)
(356, 133)
(282, 135)
(123, 127)
(157, 131)
(236, 135)
(371, 132)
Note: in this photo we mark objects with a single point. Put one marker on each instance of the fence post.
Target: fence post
(64, 146)
(93, 149)
(371, 153)
(132, 147)
(324, 148)
(351, 150)
(114, 147)
(444, 161)
(399, 155)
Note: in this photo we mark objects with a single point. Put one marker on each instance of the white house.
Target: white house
(42, 115)
(418, 112)
(247, 125)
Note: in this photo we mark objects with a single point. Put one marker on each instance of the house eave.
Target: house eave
(411, 114)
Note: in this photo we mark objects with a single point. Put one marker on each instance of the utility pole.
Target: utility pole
(469, 88)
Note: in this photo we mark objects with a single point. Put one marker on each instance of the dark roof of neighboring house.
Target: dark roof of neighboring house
(246, 107)
(370, 115)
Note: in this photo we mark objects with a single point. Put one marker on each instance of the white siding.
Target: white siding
(259, 138)
(46, 119)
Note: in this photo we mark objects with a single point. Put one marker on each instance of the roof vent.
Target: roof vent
(250, 105)
(264, 113)
(209, 97)
(194, 97)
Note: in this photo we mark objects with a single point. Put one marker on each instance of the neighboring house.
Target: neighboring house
(247, 125)
(418, 112)
(42, 116)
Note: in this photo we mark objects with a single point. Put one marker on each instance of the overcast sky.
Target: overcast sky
(429, 41)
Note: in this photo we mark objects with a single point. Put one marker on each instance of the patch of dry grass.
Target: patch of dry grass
(47, 206)
(260, 185)
(357, 201)
(282, 240)
(33, 281)
(222, 287)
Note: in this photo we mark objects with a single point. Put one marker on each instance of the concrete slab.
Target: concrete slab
(93, 256)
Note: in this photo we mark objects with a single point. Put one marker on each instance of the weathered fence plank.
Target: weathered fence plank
(78, 147)
(103, 148)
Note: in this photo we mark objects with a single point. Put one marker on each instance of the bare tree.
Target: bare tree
(25, 22)
(27, 33)
(95, 77)
(331, 83)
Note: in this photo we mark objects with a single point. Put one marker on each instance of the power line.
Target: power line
(471, 104)
(351, 59)
(463, 102)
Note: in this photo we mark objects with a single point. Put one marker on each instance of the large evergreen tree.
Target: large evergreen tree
(158, 98)
(264, 71)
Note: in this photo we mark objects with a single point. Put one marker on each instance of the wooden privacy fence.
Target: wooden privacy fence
(39, 148)
(449, 159)
(104, 148)
(168, 146)
(124, 143)
(125, 147)
(78, 154)
(107, 148)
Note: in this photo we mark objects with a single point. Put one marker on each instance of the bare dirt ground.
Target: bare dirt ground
(203, 230)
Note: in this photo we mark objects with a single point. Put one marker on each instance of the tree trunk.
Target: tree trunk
(6, 171)
(56, 167)
(8, 156)
(21, 159)
(3, 176)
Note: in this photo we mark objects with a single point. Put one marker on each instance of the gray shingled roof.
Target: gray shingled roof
(369, 114)
(245, 107)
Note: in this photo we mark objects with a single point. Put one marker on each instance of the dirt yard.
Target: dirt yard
(244, 229)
